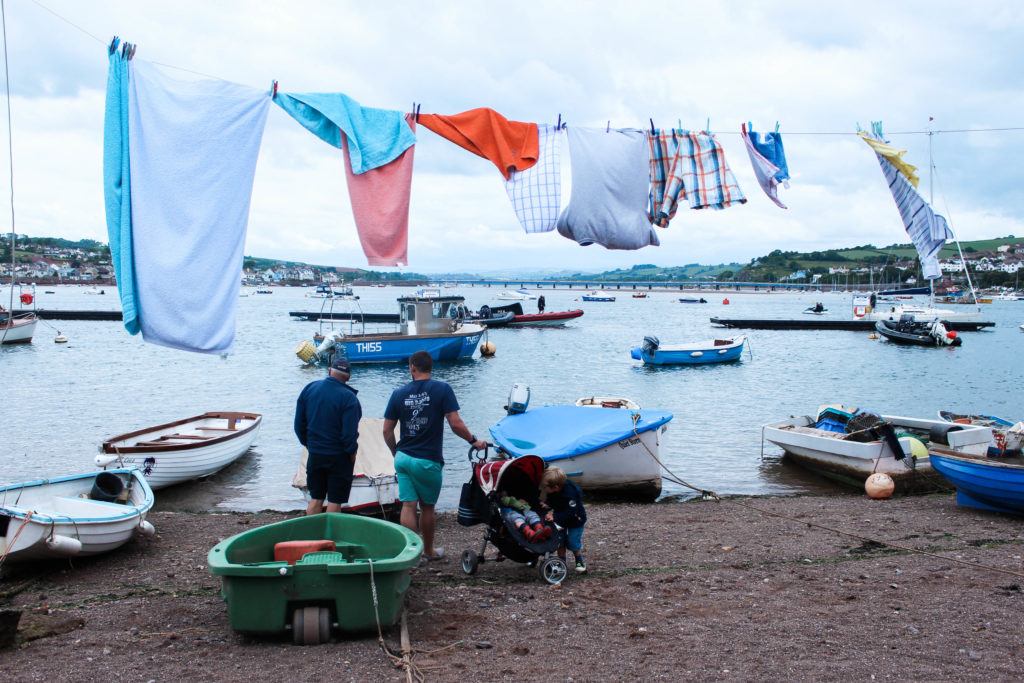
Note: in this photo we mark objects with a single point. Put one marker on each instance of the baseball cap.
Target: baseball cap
(341, 365)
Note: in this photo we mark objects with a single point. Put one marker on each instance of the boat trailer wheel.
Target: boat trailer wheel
(553, 570)
(470, 561)
(311, 625)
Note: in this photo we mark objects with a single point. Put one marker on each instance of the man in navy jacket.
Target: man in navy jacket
(327, 423)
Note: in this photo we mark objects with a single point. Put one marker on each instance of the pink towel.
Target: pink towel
(380, 205)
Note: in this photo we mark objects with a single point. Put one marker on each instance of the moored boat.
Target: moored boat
(848, 445)
(183, 450)
(73, 516)
(911, 332)
(603, 450)
(608, 402)
(1007, 436)
(992, 484)
(692, 300)
(17, 329)
(374, 483)
(653, 352)
(521, 294)
(545, 319)
(425, 324)
(597, 296)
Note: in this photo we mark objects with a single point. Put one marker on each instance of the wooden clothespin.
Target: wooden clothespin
(558, 126)
(417, 118)
(653, 133)
(608, 128)
(273, 89)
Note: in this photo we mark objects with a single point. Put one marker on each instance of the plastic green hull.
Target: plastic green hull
(262, 594)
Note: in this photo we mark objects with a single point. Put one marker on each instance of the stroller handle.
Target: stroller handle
(483, 454)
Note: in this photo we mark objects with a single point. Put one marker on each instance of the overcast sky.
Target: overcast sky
(813, 67)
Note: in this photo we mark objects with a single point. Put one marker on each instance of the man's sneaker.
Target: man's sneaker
(581, 565)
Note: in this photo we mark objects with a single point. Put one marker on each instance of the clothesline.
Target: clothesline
(718, 132)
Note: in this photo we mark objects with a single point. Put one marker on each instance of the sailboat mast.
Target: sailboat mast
(931, 200)
(10, 148)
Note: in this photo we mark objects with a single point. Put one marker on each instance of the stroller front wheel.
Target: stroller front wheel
(553, 570)
(470, 561)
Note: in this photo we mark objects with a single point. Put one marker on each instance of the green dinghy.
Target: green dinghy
(362, 580)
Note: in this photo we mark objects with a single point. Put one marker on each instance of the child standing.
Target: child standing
(566, 503)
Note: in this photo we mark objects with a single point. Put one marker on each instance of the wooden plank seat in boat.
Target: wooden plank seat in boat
(814, 431)
(200, 437)
(217, 429)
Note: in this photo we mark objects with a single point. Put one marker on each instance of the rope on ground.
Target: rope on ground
(706, 494)
(412, 672)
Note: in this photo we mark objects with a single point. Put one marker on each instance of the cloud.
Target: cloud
(814, 68)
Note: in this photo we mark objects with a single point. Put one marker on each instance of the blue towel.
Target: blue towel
(375, 136)
(193, 147)
(770, 147)
(116, 182)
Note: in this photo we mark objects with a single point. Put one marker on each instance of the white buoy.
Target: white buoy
(60, 339)
(145, 529)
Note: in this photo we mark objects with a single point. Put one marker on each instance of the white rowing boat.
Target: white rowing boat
(183, 450)
(73, 516)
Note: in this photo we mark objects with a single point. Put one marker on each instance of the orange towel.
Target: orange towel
(509, 145)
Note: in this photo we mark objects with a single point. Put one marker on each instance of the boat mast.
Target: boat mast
(931, 202)
(10, 149)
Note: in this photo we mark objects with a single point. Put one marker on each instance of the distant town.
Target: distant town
(990, 263)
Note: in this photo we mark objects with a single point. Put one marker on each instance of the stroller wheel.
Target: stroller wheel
(553, 570)
(470, 561)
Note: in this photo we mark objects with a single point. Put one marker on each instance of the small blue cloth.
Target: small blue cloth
(116, 181)
(771, 149)
(375, 136)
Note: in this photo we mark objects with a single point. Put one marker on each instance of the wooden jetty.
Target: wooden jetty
(61, 314)
(818, 324)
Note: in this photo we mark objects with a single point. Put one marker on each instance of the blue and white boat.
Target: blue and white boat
(597, 296)
(983, 483)
(602, 449)
(73, 516)
(653, 352)
(428, 324)
(692, 300)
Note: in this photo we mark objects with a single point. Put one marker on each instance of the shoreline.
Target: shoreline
(710, 589)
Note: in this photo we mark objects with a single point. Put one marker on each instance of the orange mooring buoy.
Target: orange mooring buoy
(725, 302)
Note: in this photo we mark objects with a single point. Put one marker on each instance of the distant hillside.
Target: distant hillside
(651, 272)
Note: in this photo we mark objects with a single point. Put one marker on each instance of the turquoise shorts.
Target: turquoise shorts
(419, 479)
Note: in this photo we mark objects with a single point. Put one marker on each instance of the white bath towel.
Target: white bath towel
(193, 148)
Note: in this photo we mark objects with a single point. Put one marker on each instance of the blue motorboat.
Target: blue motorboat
(653, 352)
(594, 296)
(428, 324)
(602, 449)
(691, 300)
(983, 483)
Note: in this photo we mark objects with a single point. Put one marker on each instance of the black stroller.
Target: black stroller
(519, 477)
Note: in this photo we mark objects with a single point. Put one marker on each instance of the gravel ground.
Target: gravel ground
(705, 589)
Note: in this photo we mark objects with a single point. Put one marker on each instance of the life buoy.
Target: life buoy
(26, 298)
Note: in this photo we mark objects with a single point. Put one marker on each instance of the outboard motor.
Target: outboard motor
(518, 399)
(650, 344)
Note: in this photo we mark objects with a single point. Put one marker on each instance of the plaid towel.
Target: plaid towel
(536, 193)
(663, 147)
(699, 172)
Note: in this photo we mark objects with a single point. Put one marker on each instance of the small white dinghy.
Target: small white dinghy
(374, 484)
(184, 450)
(73, 516)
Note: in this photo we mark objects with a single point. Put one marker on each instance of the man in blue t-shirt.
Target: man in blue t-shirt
(327, 423)
(421, 407)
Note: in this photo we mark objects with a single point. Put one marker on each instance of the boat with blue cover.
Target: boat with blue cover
(424, 324)
(692, 300)
(596, 296)
(983, 483)
(653, 352)
(611, 450)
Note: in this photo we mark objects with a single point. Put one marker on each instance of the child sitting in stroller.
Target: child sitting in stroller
(517, 512)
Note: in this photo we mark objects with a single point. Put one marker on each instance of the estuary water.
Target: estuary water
(59, 402)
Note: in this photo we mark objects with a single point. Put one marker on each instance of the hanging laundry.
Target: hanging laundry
(193, 148)
(766, 172)
(662, 146)
(927, 229)
(699, 174)
(117, 181)
(509, 145)
(536, 193)
(610, 184)
(375, 136)
(770, 147)
(380, 205)
(894, 156)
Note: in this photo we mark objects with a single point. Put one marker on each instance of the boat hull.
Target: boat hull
(394, 348)
(701, 355)
(994, 484)
(624, 468)
(177, 462)
(852, 462)
(52, 521)
(884, 328)
(599, 298)
(553, 319)
(20, 331)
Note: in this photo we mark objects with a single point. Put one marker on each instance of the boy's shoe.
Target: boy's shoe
(581, 565)
(528, 533)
